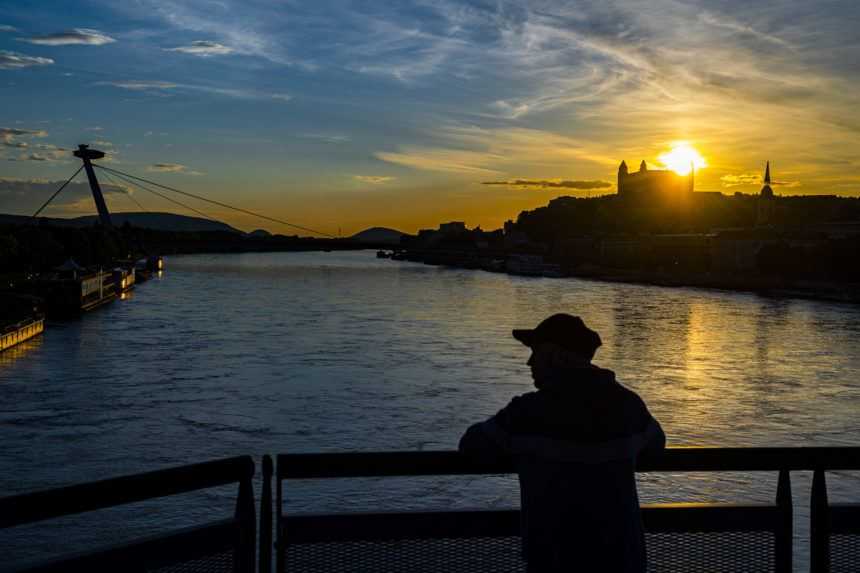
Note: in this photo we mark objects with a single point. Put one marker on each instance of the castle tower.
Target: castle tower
(622, 174)
(643, 166)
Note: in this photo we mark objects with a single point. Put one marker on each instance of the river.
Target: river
(323, 352)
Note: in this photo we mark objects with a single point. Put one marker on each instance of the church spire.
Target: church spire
(767, 174)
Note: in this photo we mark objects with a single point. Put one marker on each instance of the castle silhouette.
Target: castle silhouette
(647, 183)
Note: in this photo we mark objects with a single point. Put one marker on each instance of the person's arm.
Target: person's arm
(486, 441)
(491, 440)
(654, 436)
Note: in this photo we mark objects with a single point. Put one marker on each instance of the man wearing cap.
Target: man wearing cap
(575, 442)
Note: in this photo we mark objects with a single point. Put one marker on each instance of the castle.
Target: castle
(649, 183)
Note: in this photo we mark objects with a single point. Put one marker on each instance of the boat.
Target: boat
(22, 320)
(383, 255)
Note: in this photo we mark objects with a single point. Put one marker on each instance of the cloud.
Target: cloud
(5, 28)
(552, 183)
(329, 138)
(102, 143)
(141, 85)
(76, 36)
(373, 179)
(26, 195)
(753, 179)
(15, 131)
(172, 168)
(742, 179)
(159, 87)
(473, 150)
(203, 48)
(94, 128)
(16, 61)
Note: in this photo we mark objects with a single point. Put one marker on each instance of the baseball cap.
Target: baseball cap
(566, 330)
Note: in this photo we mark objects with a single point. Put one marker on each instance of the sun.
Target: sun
(682, 159)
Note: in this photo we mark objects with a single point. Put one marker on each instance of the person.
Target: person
(575, 441)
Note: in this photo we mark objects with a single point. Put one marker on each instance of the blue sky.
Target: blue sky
(336, 114)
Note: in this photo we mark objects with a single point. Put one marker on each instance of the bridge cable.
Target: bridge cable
(162, 195)
(127, 192)
(57, 192)
(239, 209)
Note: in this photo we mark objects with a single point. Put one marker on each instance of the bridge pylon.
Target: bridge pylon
(87, 155)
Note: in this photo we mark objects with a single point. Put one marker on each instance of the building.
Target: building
(653, 183)
(764, 208)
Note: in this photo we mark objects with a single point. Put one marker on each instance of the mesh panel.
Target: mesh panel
(214, 563)
(498, 554)
(844, 553)
(726, 551)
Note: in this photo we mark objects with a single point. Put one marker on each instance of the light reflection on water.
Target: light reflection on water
(296, 352)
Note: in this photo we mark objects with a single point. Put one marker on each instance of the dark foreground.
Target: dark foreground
(680, 536)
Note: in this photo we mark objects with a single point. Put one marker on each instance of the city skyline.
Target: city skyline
(408, 114)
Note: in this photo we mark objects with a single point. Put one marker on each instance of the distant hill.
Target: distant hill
(380, 235)
(155, 221)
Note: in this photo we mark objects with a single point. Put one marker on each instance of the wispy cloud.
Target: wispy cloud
(480, 151)
(15, 61)
(203, 48)
(25, 195)
(7, 28)
(172, 168)
(141, 85)
(552, 183)
(329, 138)
(753, 179)
(158, 87)
(76, 36)
(373, 179)
(16, 131)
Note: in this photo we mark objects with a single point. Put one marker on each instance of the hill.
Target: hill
(379, 235)
(154, 221)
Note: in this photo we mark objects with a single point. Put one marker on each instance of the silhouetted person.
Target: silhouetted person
(575, 441)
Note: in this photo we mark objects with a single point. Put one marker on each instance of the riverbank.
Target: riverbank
(533, 265)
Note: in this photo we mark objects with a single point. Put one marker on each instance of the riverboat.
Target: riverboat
(72, 289)
(15, 333)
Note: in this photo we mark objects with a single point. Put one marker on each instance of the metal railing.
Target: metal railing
(680, 536)
(228, 544)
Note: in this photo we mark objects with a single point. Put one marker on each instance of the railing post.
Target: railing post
(266, 517)
(819, 527)
(244, 558)
(280, 565)
(785, 533)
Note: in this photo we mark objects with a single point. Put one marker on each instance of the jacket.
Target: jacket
(575, 442)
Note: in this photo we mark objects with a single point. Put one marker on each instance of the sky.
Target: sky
(339, 115)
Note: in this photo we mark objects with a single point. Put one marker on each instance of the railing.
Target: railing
(225, 545)
(680, 536)
(683, 537)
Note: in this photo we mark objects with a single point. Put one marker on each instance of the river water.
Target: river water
(325, 352)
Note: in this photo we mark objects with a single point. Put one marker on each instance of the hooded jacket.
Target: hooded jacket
(575, 442)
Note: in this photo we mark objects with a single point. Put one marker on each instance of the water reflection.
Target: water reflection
(20, 351)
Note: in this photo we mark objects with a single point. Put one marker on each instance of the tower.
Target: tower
(764, 207)
(86, 155)
(643, 166)
(622, 174)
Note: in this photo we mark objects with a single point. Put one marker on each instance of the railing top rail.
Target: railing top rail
(677, 459)
(39, 505)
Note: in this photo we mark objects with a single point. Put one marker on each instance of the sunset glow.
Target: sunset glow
(682, 159)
